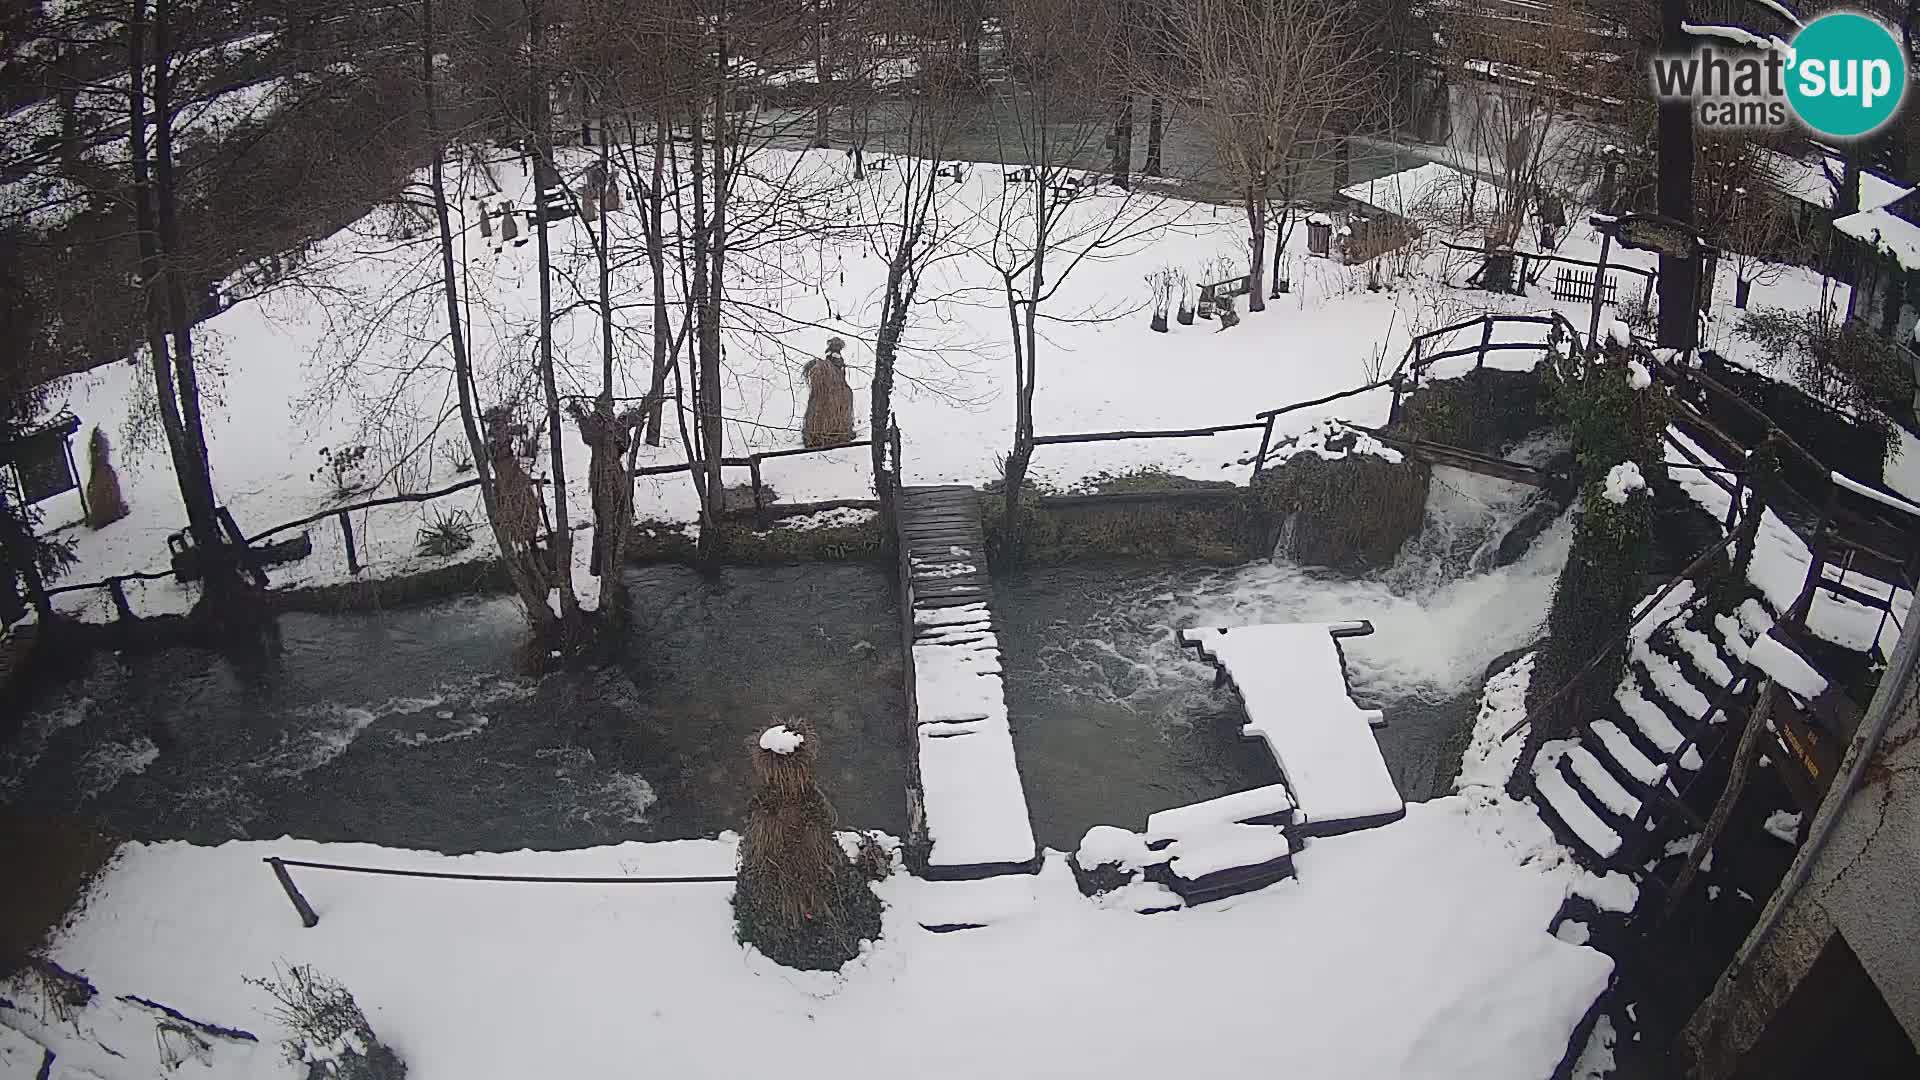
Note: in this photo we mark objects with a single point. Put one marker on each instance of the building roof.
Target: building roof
(1888, 229)
(1807, 180)
(1429, 191)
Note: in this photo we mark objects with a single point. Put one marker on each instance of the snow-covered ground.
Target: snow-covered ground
(357, 359)
(1417, 949)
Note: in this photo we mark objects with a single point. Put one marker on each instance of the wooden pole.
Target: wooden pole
(118, 589)
(1599, 275)
(1743, 762)
(1266, 440)
(308, 917)
(759, 500)
(346, 533)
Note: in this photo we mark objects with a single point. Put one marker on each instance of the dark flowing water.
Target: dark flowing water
(404, 727)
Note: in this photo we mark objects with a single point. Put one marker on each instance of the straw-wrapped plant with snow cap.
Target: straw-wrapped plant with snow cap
(798, 899)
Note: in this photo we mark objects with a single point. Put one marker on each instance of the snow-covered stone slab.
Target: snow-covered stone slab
(972, 802)
(1295, 688)
(1261, 802)
(1227, 847)
(941, 906)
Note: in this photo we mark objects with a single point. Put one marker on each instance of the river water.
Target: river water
(1104, 700)
(407, 728)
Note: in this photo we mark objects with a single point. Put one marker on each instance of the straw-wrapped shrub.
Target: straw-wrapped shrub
(799, 899)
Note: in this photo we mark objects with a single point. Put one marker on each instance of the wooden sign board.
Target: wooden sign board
(1649, 233)
(44, 468)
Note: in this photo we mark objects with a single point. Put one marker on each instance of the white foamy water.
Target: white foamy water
(23, 753)
(109, 763)
(1438, 618)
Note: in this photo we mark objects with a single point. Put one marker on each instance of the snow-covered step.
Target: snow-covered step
(1626, 754)
(1732, 636)
(1270, 805)
(1600, 783)
(1652, 722)
(1566, 803)
(1754, 618)
(1670, 682)
(1704, 655)
(941, 906)
(1226, 860)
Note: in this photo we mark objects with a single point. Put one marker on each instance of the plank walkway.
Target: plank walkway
(968, 807)
(945, 546)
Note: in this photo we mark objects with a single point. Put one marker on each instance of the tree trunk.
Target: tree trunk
(1154, 132)
(544, 180)
(1257, 248)
(696, 445)
(713, 422)
(1679, 323)
(821, 112)
(225, 593)
(152, 301)
(532, 596)
(1123, 146)
(657, 263)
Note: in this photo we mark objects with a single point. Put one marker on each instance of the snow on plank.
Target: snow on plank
(1295, 689)
(1788, 668)
(1652, 722)
(1271, 801)
(973, 807)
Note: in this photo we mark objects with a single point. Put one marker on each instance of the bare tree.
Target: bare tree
(1271, 79)
(1055, 221)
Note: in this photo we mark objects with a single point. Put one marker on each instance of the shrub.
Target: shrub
(330, 1035)
(1846, 366)
(447, 534)
(799, 899)
(344, 469)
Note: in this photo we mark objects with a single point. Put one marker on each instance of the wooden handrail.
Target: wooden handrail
(1112, 436)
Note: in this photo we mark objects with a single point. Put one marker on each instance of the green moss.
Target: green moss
(1146, 480)
(741, 544)
(1215, 531)
(1486, 410)
(1350, 513)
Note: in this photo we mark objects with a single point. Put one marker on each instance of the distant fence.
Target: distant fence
(1577, 286)
(115, 585)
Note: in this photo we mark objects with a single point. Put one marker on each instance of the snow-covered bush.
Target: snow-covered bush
(798, 899)
(327, 1032)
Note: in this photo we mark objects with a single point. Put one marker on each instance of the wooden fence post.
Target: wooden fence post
(1266, 440)
(1486, 338)
(308, 917)
(759, 500)
(116, 586)
(346, 533)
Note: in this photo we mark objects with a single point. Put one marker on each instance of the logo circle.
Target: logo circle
(1848, 75)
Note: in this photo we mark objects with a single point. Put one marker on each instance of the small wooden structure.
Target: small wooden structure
(1577, 286)
(1293, 681)
(40, 464)
(966, 804)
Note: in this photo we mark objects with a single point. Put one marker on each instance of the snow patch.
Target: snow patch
(1623, 480)
(781, 739)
